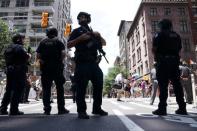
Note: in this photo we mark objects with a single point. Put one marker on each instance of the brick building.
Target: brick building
(144, 27)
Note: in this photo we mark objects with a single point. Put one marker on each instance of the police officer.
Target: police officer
(16, 58)
(166, 49)
(51, 53)
(87, 68)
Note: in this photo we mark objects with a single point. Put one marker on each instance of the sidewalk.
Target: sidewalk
(171, 103)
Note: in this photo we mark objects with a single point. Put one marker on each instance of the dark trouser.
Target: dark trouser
(14, 87)
(168, 69)
(83, 73)
(25, 93)
(46, 80)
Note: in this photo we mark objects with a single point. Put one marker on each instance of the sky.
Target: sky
(106, 16)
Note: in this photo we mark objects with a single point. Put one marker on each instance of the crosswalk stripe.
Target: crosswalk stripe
(121, 106)
(131, 126)
(29, 106)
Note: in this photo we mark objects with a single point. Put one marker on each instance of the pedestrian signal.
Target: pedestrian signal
(45, 19)
(67, 29)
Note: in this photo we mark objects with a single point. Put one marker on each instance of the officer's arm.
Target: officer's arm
(78, 40)
(97, 34)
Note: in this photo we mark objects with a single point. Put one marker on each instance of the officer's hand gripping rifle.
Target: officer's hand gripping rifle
(98, 43)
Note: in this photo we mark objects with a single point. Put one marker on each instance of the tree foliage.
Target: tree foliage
(109, 78)
(5, 38)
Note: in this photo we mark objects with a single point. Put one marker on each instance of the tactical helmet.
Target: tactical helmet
(17, 38)
(165, 24)
(51, 32)
(86, 15)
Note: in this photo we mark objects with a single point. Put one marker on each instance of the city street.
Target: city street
(127, 115)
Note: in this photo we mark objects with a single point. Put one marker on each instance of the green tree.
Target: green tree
(109, 78)
(5, 38)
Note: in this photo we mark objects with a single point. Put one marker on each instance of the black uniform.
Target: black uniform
(168, 45)
(87, 69)
(51, 66)
(16, 59)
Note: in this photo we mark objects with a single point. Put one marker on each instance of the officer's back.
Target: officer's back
(169, 43)
(16, 55)
(50, 50)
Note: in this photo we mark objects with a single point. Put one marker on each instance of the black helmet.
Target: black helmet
(165, 24)
(17, 38)
(85, 14)
(51, 32)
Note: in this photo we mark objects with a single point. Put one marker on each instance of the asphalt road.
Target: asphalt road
(129, 115)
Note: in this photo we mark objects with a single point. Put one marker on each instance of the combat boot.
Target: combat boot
(181, 112)
(3, 111)
(160, 112)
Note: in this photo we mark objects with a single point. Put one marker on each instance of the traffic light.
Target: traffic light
(67, 29)
(45, 19)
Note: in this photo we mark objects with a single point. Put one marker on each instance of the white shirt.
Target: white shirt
(119, 78)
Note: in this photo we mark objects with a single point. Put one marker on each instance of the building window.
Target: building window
(139, 54)
(154, 25)
(183, 26)
(194, 11)
(20, 15)
(146, 67)
(141, 69)
(138, 70)
(129, 64)
(167, 11)
(22, 3)
(4, 15)
(134, 59)
(5, 3)
(181, 11)
(133, 45)
(20, 28)
(144, 31)
(195, 27)
(153, 11)
(186, 45)
(138, 37)
(145, 48)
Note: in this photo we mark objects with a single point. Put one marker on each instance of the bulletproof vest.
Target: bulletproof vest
(51, 54)
(169, 44)
(13, 55)
(87, 51)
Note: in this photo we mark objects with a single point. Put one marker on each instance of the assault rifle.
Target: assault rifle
(97, 42)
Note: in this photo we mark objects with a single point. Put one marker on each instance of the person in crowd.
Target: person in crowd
(154, 84)
(186, 82)
(120, 80)
(87, 44)
(166, 50)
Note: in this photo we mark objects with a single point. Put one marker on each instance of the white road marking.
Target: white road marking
(55, 105)
(29, 106)
(131, 126)
(146, 106)
(121, 106)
